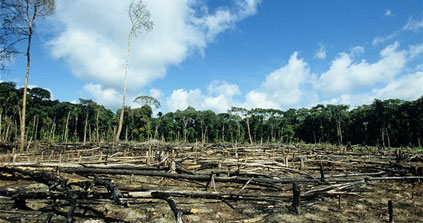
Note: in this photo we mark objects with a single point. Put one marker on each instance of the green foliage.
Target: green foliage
(383, 123)
(145, 99)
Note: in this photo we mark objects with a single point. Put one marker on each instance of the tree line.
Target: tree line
(386, 123)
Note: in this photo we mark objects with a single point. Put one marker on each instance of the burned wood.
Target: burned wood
(257, 181)
(390, 212)
(296, 200)
(176, 211)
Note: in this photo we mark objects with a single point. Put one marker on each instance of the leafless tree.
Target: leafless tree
(17, 25)
(140, 21)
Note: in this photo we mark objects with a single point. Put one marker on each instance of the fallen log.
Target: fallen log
(267, 182)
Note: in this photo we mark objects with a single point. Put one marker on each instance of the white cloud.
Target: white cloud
(181, 99)
(283, 87)
(415, 50)
(321, 52)
(293, 85)
(357, 50)
(345, 76)
(378, 40)
(219, 97)
(413, 25)
(289, 86)
(258, 99)
(221, 87)
(92, 38)
(407, 87)
(108, 97)
(156, 93)
(388, 12)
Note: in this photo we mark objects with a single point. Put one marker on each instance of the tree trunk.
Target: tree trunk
(339, 132)
(383, 137)
(6, 135)
(206, 138)
(202, 133)
(28, 63)
(387, 137)
(185, 129)
(97, 137)
(85, 127)
(90, 134)
(1, 114)
(36, 127)
(249, 132)
(239, 131)
(122, 111)
(75, 133)
(33, 127)
(156, 129)
(66, 128)
(223, 133)
(53, 125)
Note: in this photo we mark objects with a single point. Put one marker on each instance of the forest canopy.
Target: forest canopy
(385, 123)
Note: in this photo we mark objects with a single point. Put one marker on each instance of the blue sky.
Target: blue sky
(214, 54)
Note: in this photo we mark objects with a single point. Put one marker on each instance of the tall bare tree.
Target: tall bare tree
(18, 23)
(140, 21)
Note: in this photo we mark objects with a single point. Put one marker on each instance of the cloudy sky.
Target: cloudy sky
(214, 54)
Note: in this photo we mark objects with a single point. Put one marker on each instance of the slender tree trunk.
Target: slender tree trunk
(387, 137)
(97, 137)
(156, 130)
(338, 128)
(177, 136)
(75, 132)
(33, 127)
(383, 137)
(232, 134)
(36, 127)
(239, 131)
(28, 62)
(223, 133)
(6, 135)
(206, 138)
(1, 114)
(249, 132)
(53, 132)
(185, 129)
(66, 128)
(114, 133)
(90, 134)
(85, 127)
(16, 124)
(53, 125)
(122, 111)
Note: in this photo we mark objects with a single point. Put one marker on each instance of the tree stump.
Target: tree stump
(296, 201)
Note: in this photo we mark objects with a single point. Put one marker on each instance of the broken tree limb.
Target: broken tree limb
(176, 211)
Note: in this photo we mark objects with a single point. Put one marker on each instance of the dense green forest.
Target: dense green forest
(388, 123)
